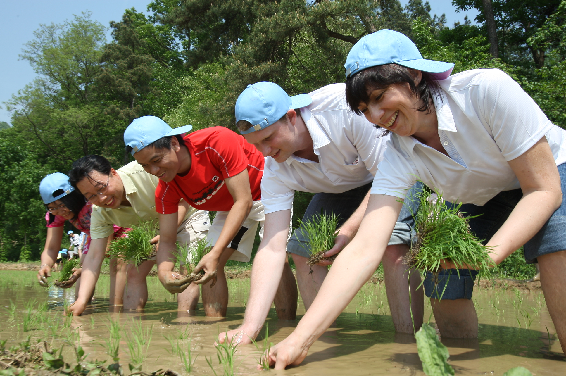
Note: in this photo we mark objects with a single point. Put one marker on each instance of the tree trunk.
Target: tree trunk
(491, 29)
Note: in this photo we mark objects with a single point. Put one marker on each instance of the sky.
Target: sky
(20, 18)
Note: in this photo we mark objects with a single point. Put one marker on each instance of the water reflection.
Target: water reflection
(58, 297)
(515, 330)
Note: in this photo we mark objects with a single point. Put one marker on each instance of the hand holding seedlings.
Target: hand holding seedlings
(193, 257)
(69, 274)
(207, 268)
(320, 230)
(65, 284)
(444, 238)
(138, 245)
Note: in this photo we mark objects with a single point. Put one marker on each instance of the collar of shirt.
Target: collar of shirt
(128, 183)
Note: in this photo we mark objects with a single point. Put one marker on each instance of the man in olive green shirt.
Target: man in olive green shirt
(125, 197)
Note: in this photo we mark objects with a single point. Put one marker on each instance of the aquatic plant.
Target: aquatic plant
(518, 371)
(66, 271)
(320, 230)
(226, 353)
(135, 246)
(186, 357)
(443, 233)
(113, 341)
(433, 354)
(264, 351)
(138, 341)
(192, 255)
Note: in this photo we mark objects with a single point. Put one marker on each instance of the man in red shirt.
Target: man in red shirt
(212, 169)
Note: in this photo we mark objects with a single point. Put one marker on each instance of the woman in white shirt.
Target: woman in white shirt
(476, 137)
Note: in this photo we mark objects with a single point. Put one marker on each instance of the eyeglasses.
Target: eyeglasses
(58, 207)
(101, 188)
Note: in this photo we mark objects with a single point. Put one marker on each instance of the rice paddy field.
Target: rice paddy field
(515, 330)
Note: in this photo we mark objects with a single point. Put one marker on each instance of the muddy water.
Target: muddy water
(515, 330)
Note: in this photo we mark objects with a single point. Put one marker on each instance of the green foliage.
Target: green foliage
(265, 348)
(320, 230)
(514, 267)
(433, 354)
(67, 269)
(138, 340)
(444, 234)
(135, 246)
(225, 353)
(192, 254)
(518, 371)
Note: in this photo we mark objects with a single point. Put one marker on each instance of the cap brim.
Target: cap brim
(301, 100)
(440, 70)
(180, 130)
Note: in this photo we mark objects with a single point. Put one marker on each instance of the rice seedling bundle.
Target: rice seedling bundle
(443, 233)
(192, 255)
(320, 230)
(66, 271)
(135, 246)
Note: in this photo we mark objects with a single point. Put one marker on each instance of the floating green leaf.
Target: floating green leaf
(433, 354)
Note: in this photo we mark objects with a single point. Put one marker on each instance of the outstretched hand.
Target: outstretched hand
(236, 337)
(286, 353)
(76, 309)
(42, 275)
(209, 265)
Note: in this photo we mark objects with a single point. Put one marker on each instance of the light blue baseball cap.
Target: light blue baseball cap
(263, 103)
(52, 183)
(388, 46)
(70, 232)
(146, 130)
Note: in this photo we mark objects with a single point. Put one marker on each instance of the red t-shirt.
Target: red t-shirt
(217, 153)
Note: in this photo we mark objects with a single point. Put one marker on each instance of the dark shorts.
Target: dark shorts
(495, 212)
(344, 205)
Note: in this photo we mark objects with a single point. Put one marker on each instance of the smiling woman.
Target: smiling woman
(65, 203)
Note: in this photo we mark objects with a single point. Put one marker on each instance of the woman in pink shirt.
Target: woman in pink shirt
(64, 203)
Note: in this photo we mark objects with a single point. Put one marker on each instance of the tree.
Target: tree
(126, 71)
(516, 22)
(4, 125)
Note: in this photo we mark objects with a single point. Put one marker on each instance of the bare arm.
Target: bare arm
(266, 275)
(90, 272)
(166, 254)
(542, 195)
(239, 188)
(352, 268)
(49, 254)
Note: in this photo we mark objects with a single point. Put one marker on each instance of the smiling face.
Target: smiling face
(393, 108)
(162, 163)
(58, 208)
(278, 141)
(103, 190)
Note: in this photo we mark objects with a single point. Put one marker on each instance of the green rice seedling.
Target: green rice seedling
(226, 353)
(320, 230)
(135, 246)
(66, 271)
(433, 354)
(262, 361)
(186, 357)
(444, 234)
(113, 342)
(192, 255)
(138, 341)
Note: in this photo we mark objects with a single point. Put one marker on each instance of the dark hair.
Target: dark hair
(82, 167)
(162, 143)
(362, 83)
(244, 125)
(74, 201)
